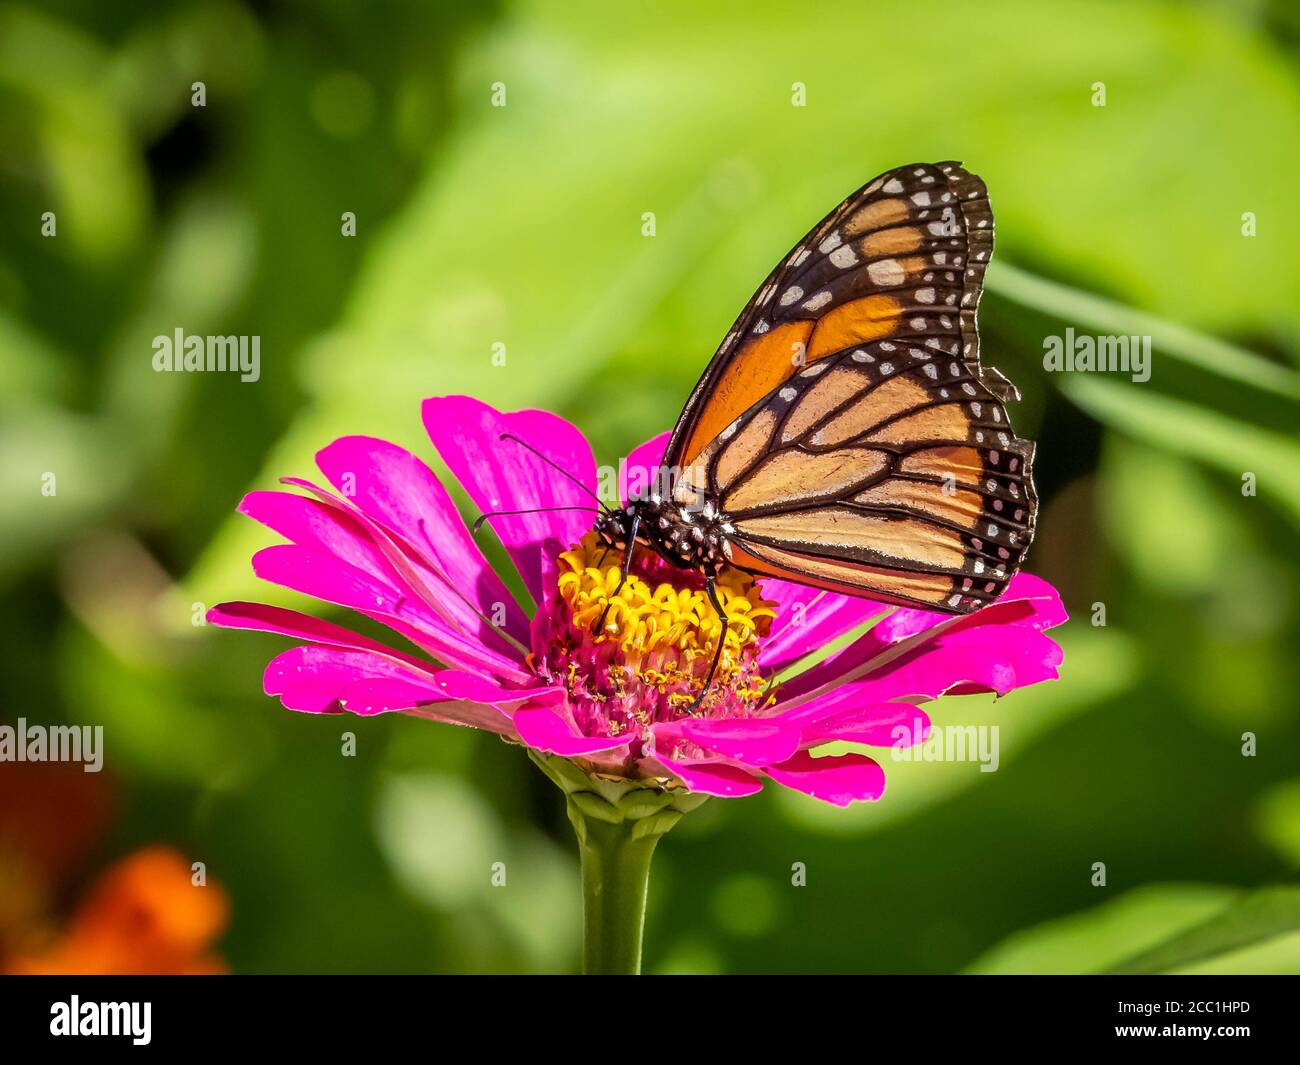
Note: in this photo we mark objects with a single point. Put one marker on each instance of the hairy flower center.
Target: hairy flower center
(651, 657)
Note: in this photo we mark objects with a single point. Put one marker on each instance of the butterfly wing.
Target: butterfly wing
(876, 457)
(901, 258)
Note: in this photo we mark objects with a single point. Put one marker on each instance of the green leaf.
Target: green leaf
(1104, 935)
(1170, 339)
(1266, 914)
(1228, 444)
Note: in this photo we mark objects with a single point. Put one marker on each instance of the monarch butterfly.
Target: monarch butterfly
(845, 435)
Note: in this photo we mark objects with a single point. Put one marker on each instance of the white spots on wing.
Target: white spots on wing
(925, 295)
(830, 243)
(979, 566)
(886, 367)
(817, 302)
(768, 292)
(968, 388)
(862, 356)
(788, 394)
(940, 258)
(844, 256)
(893, 186)
(931, 371)
(886, 272)
(762, 326)
(791, 294)
(729, 431)
(921, 199)
(918, 172)
(885, 345)
(799, 257)
(954, 368)
(976, 409)
(918, 323)
(873, 186)
(997, 417)
(814, 369)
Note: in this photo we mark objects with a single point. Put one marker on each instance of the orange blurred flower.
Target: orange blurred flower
(144, 915)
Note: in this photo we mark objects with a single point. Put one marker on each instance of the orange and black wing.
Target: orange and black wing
(876, 458)
(887, 471)
(902, 258)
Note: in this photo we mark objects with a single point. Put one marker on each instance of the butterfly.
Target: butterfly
(845, 436)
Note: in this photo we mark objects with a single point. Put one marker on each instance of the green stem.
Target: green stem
(615, 879)
(618, 822)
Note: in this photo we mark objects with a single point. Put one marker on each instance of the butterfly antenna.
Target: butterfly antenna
(556, 467)
(478, 522)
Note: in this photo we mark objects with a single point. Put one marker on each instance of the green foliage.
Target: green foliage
(522, 225)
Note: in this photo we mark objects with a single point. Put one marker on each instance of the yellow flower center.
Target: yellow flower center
(660, 630)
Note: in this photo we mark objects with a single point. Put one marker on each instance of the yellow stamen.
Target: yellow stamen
(666, 633)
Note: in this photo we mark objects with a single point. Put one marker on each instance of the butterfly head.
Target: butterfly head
(688, 537)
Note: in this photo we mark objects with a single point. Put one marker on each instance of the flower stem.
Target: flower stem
(615, 879)
(618, 823)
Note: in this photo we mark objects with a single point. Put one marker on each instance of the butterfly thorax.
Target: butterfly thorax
(691, 537)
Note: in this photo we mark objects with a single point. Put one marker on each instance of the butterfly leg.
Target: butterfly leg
(627, 568)
(711, 591)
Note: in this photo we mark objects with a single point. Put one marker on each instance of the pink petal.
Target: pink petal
(441, 608)
(749, 741)
(642, 467)
(996, 659)
(319, 679)
(327, 577)
(710, 778)
(262, 618)
(502, 475)
(1029, 604)
(398, 491)
(543, 729)
(841, 715)
(839, 779)
(808, 619)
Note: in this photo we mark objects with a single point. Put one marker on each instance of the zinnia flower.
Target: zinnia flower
(604, 714)
(388, 542)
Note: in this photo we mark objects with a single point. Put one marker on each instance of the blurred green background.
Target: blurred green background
(522, 225)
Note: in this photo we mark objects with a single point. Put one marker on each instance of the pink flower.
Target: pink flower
(387, 542)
